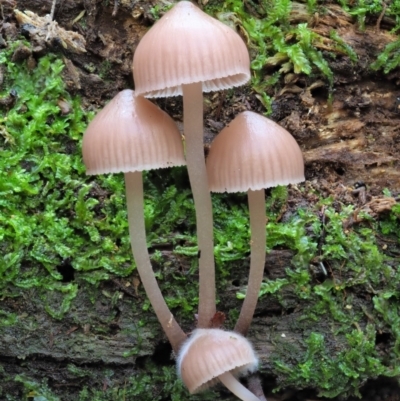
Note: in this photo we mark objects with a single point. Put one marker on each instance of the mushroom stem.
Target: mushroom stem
(257, 259)
(193, 130)
(237, 388)
(137, 233)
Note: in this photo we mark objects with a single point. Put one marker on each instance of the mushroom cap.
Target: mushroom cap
(186, 46)
(208, 353)
(131, 134)
(253, 152)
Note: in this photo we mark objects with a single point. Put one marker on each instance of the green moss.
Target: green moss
(389, 59)
(277, 44)
(151, 383)
(53, 215)
(7, 319)
(158, 10)
(350, 262)
(339, 361)
(38, 177)
(104, 69)
(364, 9)
(32, 390)
(284, 47)
(340, 373)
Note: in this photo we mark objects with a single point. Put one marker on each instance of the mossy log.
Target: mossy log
(108, 334)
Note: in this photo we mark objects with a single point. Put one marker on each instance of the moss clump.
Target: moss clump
(342, 373)
(38, 178)
(365, 10)
(279, 45)
(53, 216)
(159, 9)
(353, 295)
(389, 59)
(152, 383)
(282, 47)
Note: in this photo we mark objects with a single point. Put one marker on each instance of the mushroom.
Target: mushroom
(187, 52)
(250, 154)
(212, 355)
(130, 135)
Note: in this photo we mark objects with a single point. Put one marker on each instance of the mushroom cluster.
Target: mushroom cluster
(187, 53)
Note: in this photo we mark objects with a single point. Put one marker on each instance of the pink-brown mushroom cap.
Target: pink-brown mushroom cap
(131, 134)
(253, 152)
(186, 46)
(209, 353)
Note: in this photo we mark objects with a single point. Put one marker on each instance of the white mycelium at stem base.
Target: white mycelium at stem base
(131, 135)
(250, 154)
(212, 355)
(188, 52)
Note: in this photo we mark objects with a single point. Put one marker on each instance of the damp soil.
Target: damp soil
(351, 137)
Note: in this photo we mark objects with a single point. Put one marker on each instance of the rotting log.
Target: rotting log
(354, 137)
(98, 331)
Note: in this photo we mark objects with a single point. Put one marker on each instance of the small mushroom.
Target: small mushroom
(213, 355)
(187, 52)
(250, 154)
(130, 135)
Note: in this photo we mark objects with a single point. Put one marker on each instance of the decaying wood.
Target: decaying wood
(71, 338)
(353, 137)
(45, 30)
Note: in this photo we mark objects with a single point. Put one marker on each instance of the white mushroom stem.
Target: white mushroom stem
(137, 232)
(193, 130)
(257, 259)
(237, 388)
